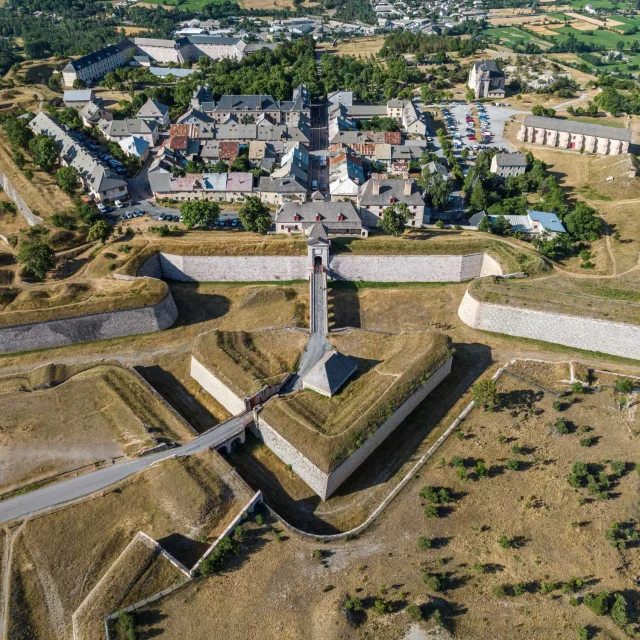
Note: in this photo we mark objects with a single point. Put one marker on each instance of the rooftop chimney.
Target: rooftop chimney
(407, 187)
(375, 188)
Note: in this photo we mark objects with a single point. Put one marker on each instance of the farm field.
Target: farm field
(358, 47)
(512, 545)
(513, 35)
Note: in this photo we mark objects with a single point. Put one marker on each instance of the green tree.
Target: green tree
(255, 215)
(619, 611)
(241, 163)
(583, 224)
(70, 118)
(598, 602)
(436, 186)
(414, 612)
(394, 218)
(67, 178)
(18, 132)
(199, 213)
(485, 225)
(478, 199)
(501, 226)
(485, 394)
(44, 151)
(19, 159)
(37, 257)
(99, 230)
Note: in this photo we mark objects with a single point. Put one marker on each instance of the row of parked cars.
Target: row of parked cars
(104, 156)
(228, 222)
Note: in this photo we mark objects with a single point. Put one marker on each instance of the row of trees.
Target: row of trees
(253, 214)
(423, 46)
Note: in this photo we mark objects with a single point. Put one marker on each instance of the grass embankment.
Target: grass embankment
(42, 303)
(616, 300)
(390, 368)
(245, 361)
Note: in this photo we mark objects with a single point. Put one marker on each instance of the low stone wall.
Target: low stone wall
(31, 218)
(227, 398)
(325, 484)
(98, 326)
(233, 268)
(375, 268)
(592, 334)
(413, 268)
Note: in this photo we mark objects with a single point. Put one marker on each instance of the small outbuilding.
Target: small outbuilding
(330, 374)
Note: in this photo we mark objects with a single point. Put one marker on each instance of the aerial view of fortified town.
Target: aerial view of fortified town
(319, 319)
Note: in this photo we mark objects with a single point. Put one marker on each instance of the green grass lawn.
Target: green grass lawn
(600, 37)
(513, 35)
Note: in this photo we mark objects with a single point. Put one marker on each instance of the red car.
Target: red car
(471, 137)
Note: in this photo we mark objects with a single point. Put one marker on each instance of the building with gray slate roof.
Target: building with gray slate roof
(338, 218)
(95, 65)
(508, 164)
(377, 194)
(486, 79)
(100, 181)
(568, 134)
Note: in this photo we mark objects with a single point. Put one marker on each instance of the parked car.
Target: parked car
(235, 222)
(227, 222)
(119, 204)
(101, 208)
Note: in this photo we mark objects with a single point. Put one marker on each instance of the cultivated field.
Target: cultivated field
(183, 503)
(512, 549)
(59, 419)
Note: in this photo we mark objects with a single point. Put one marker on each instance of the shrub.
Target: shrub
(623, 385)
(317, 554)
(485, 394)
(259, 520)
(619, 534)
(548, 587)
(433, 581)
(414, 612)
(583, 633)
(481, 469)
(218, 557)
(618, 468)
(462, 474)
(382, 606)
(557, 405)
(561, 426)
(498, 591)
(439, 224)
(588, 441)
(457, 461)
(478, 567)
(619, 611)
(504, 542)
(572, 585)
(516, 449)
(431, 511)
(513, 465)
(577, 387)
(327, 588)
(598, 602)
(519, 589)
(126, 626)
(424, 543)
(352, 604)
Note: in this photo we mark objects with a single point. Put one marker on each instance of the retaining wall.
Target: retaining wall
(233, 268)
(26, 212)
(324, 484)
(413, 268)
(377, 268)
(615, 338)
(98, 326)
(233, 403)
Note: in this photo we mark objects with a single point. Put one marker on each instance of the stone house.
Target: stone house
(568, 134)
(116, 130)
(487, 80)
(338, 218)
(153, 111)
(379, 193)
(508, 164)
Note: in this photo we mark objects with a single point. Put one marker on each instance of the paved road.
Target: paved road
(58, 494)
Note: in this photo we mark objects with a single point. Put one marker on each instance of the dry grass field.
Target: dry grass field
(138, 573)
(276, 5)
(60, 419)
(42, 194)
(182, 503)
(498, 560)
(357, 47)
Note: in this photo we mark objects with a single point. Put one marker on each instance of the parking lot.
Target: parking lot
(493, 122)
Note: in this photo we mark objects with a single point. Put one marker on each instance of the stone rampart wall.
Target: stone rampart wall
(342, 472)
(227, 398)
(97, 326)
(376, 268)
(233, 268)
(615, 338)
(26, 212)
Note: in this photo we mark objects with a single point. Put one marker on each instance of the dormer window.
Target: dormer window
(341, 217)
(297, 218)
(318, 217)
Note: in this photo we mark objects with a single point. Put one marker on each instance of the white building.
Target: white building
(95, 65)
